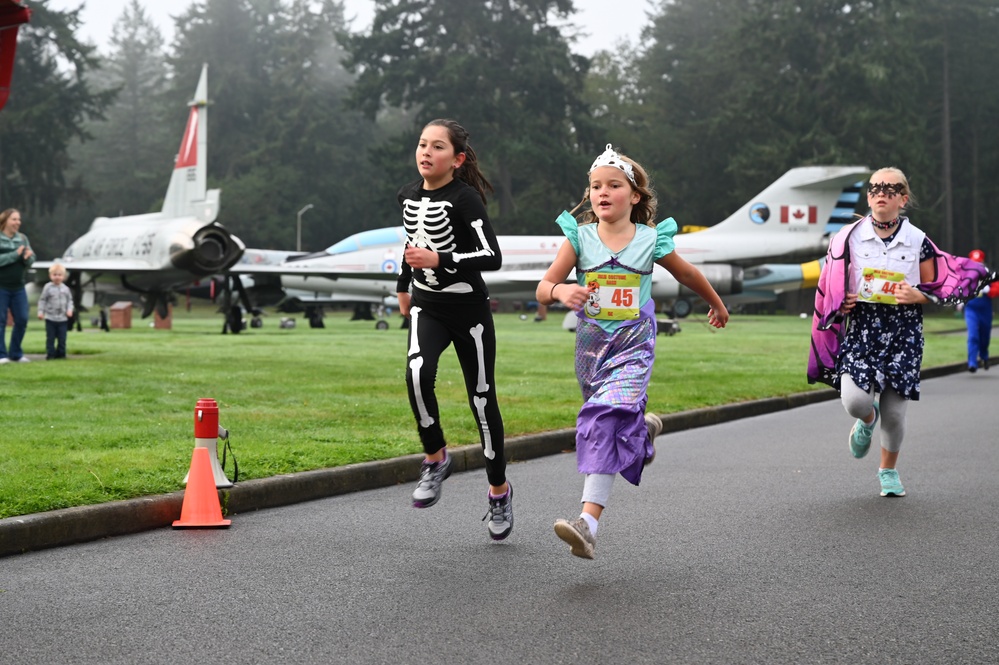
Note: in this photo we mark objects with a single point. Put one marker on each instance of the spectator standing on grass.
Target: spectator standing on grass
(55, 307)
(15, 259)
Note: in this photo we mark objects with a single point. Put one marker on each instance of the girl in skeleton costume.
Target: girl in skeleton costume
(613, 248)
(867, 329)
(450, 243)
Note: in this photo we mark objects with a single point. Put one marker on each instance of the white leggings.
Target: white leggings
(858, 403)
(597, 488)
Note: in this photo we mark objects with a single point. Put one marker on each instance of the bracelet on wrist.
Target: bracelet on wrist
(551, 294)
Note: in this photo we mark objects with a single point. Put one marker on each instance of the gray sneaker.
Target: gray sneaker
(432, 476)
(577, 534)
(655, 425)
(500, 515)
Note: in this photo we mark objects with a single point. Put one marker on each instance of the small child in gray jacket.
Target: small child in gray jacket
(55, 305)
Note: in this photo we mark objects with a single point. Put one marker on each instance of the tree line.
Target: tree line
(717, 99)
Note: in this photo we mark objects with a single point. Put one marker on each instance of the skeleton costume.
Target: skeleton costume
(450, 304)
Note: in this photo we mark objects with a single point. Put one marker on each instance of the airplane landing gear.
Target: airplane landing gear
(315, 316)
(233, 320)
(682, 308)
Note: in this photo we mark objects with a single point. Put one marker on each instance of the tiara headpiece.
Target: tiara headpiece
(610, 158)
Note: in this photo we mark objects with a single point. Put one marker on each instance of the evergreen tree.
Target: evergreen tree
(504, 71)
(51, 102)
(744, 91)
(127, 164)
(279, 136)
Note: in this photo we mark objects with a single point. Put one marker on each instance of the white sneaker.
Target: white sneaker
(4, 361)
(24, 359)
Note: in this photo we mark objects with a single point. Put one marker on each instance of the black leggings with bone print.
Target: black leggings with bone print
(470, 329)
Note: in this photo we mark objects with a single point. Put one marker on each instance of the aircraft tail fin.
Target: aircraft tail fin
(801, 200)
(846, 206)
(187, 195)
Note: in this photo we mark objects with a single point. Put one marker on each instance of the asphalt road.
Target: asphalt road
(759, 540)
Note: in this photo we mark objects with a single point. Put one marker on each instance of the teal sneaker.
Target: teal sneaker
(890, 484)
(861, 434)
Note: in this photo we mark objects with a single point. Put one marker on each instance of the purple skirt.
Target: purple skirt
(613, 370)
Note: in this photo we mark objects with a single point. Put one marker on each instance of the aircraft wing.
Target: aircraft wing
(498, 282)
(503, 283)
(98, 267)
(317, 271)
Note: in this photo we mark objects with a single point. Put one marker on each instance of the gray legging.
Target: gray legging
(858, 402)
(597, 488)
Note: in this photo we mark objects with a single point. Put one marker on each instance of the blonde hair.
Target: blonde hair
(907, 191)
(57, 268)
(643, 212)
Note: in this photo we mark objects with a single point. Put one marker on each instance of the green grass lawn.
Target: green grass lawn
(116, 420)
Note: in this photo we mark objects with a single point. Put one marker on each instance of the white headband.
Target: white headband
(611, 158)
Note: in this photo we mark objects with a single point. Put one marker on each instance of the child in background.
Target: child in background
(613, 248)
(55, 306)
(978, 317)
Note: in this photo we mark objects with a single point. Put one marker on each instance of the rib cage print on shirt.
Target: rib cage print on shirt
(428, 224)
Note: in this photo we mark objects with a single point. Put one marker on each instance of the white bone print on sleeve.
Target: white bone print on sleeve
(486, 249)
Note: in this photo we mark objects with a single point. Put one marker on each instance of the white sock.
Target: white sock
(591, 522)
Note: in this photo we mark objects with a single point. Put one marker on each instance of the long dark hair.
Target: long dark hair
(469, 171)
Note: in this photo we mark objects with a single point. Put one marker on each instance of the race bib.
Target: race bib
(879, 286)
(612, 296)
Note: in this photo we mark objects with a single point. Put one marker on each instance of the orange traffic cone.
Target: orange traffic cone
(201, 500)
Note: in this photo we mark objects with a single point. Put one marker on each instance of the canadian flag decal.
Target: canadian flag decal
(798, 215)
(188, 153)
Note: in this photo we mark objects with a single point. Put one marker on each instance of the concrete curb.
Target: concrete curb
(57, 528)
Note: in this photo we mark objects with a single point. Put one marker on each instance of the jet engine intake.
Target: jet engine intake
(214, 250)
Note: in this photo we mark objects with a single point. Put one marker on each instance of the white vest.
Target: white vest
(867, 250)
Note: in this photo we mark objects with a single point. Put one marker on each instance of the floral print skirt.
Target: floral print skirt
(883, 348)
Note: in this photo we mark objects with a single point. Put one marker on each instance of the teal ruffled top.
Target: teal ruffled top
(639, 257)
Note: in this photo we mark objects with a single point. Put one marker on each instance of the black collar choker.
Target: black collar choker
(884, 226)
